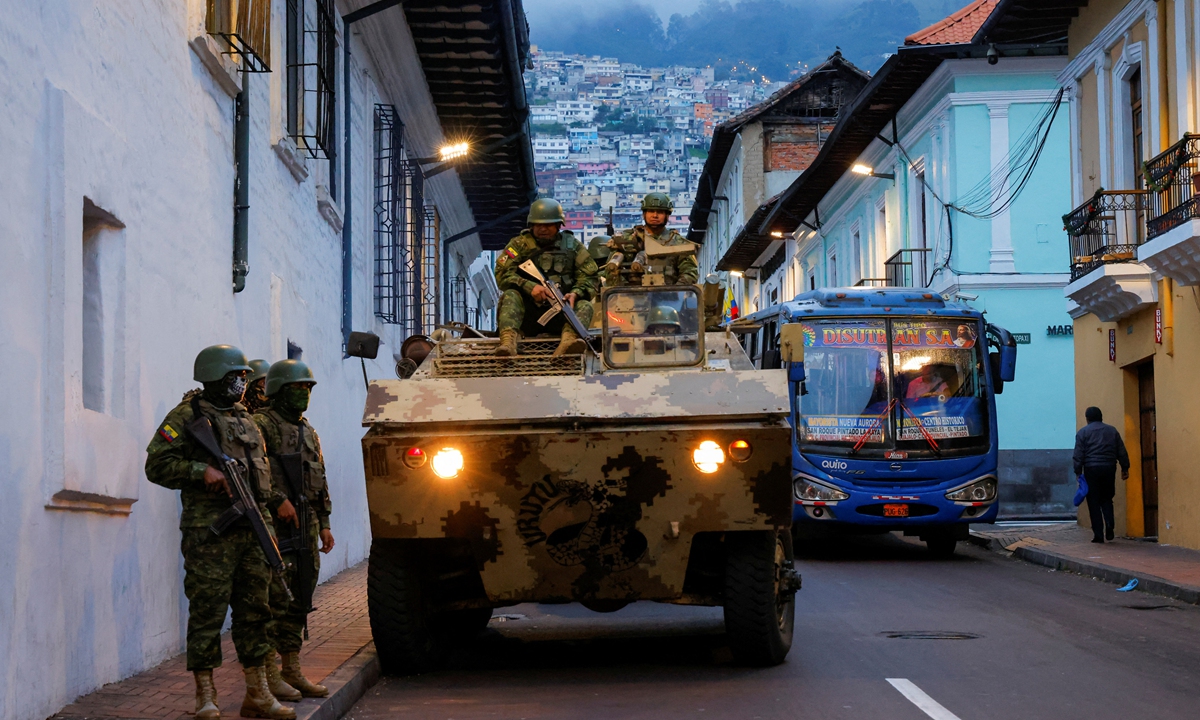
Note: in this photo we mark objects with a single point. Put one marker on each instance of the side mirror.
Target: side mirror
(1006, 369)
(995, 360)
(362, 345)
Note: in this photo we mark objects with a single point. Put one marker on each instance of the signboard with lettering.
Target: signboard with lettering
(1022, 338)
(1158, 325)
(1112, 345)
(1060, 330)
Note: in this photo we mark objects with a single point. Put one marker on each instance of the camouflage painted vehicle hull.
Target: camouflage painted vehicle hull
(572, 488)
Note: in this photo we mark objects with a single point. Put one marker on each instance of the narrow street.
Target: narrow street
(1050, 645)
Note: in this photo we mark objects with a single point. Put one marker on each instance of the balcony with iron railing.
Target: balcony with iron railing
(872, 282)
(907, 268)
(1172, 243)
(1106, 229)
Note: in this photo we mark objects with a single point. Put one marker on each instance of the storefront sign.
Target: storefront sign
(1022, 338)
(1060, 329)
(1158, 325)
(1112, 345)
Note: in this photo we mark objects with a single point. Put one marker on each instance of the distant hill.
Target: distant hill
(776, 39)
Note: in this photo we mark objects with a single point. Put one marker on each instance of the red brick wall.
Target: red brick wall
(791, 156)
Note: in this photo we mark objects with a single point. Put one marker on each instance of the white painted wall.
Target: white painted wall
(106, 100)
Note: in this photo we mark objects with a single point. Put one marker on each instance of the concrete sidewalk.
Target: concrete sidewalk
(338, 654)
(1160, 569)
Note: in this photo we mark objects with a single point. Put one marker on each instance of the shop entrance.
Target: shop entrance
(1149, 442)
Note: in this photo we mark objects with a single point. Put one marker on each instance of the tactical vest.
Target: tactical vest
(558, 262)
(655, 270)
(240, 440)
(300, 439)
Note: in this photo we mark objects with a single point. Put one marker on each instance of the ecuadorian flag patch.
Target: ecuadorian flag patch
(168, 433)
(508, 254)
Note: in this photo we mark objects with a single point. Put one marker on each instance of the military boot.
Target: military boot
(295, 677)
(571, 343)
(279, 687)
(259, 702)
(508, 342)
(206, 696)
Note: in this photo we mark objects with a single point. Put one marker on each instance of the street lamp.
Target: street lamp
(454, 151)
(869, 171)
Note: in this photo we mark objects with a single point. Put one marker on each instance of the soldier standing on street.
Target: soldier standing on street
(561, 258)
(637, 266)
(227, 570)
(298, 472)
(256, 397)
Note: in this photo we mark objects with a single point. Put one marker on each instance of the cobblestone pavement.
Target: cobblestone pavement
(338, 629)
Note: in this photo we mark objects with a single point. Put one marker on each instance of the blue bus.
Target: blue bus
(893, 410)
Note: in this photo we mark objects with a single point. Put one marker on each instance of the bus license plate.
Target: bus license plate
(895, 510)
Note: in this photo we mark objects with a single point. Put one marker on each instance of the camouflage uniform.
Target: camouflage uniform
(564, 260)
(255, 399)
(223, 571)
(283, 436)
(679, 269)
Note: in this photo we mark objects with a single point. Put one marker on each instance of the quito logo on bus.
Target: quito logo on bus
(834, 465)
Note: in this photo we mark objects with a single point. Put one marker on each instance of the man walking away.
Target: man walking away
(1098, 448)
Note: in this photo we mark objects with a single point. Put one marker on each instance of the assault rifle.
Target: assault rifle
(610, 229)
(557, 303)
(244, 503)
(298, 541)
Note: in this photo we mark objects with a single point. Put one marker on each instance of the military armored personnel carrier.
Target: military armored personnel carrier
(655, 468)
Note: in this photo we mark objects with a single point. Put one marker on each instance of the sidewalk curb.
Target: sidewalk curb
(346, 686)
(1118, 576)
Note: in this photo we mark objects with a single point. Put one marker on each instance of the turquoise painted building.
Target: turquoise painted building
(947, 173)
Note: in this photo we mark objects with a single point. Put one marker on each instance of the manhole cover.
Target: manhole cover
(506, 618)
(929, 635)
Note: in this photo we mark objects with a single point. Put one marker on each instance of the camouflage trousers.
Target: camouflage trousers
(229, 571)
(288, 617)
(519, 311)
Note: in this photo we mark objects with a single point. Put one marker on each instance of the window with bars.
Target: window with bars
(311, 47)
(431, 265)
(398, 240)
(245, 28)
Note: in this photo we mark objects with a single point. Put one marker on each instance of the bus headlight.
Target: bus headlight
(981, 490)
(811, 490)
(447, 463)
(708, 457)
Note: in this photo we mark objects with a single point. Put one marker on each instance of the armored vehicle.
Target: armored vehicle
(653, 468)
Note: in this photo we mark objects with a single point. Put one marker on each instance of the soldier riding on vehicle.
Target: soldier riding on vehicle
(559, 257)
(652, 254)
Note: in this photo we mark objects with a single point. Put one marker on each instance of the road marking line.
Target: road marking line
(917, 697)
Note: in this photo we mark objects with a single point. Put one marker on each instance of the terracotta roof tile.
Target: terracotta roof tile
(958, 28)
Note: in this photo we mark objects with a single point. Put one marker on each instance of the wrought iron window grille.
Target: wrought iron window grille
(397, 247)
(311, 77)
(431, 259)
(244, 26)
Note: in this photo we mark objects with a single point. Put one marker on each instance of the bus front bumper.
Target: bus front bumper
(893, 511)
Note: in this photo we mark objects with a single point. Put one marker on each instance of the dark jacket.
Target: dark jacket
(1099, 445)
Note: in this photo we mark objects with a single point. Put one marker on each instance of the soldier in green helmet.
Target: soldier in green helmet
(298, 473)
(227, 570)
(559, 257)
(668, 259)
(256, 396)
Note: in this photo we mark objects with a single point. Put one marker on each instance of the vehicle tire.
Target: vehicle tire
(760, 613)
(405, 638)
(941, 546)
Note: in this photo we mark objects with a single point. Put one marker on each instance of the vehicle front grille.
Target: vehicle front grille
(476, 357)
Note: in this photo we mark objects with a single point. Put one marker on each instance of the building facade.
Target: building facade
(947, 173)
(1134, 241)
(121, 261)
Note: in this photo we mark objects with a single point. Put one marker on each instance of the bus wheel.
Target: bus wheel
(760, 597)
(406, 638)
(941, 546)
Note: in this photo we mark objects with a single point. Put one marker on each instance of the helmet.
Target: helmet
(258, 370)
(544, 211)
(215, 361)
(598, 248)
(285, 372)
(663, 316)
(657, 201)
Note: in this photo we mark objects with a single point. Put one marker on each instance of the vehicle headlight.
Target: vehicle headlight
(981, 490)
(447, 463)
(708, 457)
(809, 489)
(740, 450)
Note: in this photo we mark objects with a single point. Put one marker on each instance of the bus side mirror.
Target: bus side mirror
(1008, 362)
(995, 361)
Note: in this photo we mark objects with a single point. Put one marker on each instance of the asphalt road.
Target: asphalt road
(1051, 645)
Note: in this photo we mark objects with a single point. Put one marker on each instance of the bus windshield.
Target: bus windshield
(893, 387)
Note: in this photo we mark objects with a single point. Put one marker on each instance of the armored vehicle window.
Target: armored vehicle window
(652, 327)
